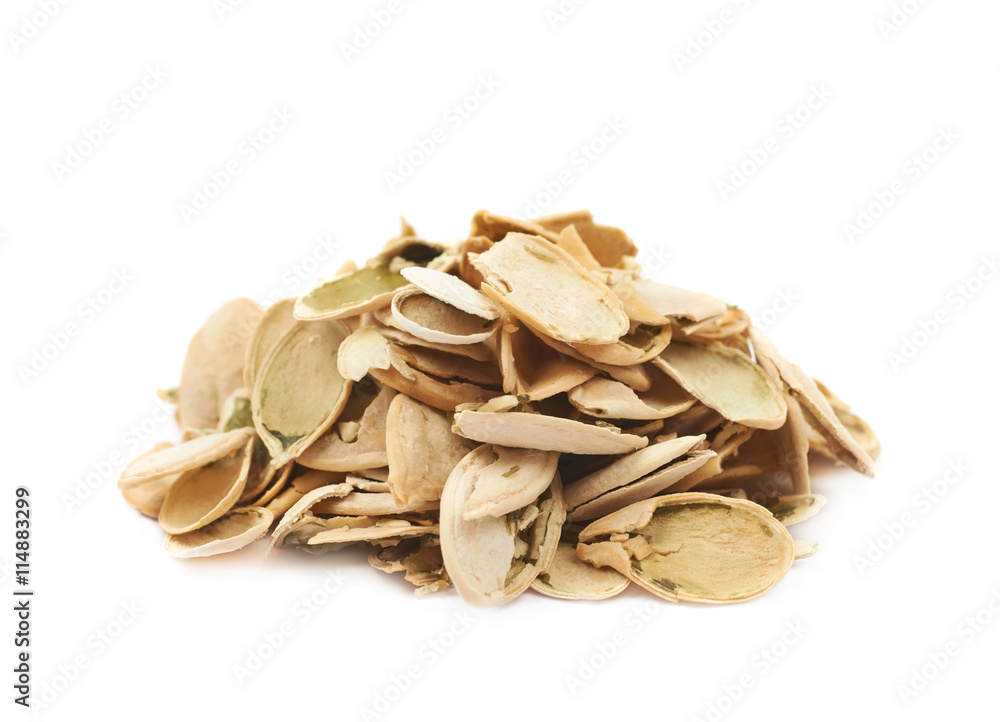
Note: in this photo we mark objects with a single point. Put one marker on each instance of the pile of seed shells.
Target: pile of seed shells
(520, 409)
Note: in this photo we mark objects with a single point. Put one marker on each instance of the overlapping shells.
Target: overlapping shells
(518, 410)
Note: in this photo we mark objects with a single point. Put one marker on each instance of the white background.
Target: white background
(888, 91)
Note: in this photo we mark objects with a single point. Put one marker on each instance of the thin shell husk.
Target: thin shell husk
(855, 425)
(363, 503)
(230, 532)
(532, 369)
(148, 496)
(635, 377)
(431, 319)
(368, 529)
(679, 302)
(569, 577)
(213, 366)
(663, 480)
(636, 347)
(490, 560)
(202, 495)
(794, 508)
(626, 469)
(546, 433)
(286, 420)
(727, 381)
(193, 454)
(693, 547)
(495, 227)
(550, 291)
(609, 399)
(368, 447)
(817, 409)
(370, 287)
(451, 290)
(277, 322)
(365, 349)
(443, 395)
(421, 450)
(507, 479)
(302, 510)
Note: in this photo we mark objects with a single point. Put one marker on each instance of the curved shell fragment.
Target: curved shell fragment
(202, 495)
(725, 380)
(546, 433)
(694, 547)
(228, 533)
(569, 577)
(426, 317)
(549, 290)
(287, 420)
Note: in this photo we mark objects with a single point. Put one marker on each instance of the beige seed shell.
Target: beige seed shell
(229, 532)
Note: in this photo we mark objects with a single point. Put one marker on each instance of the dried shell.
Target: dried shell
(547, 433)
(287, 420)
(819, 413)
(693, 547)
(569, 577)
(607, 399)
(433, 320)
(451, 290)
(202, 495)
(192, 454)
(228, 533)
(645, 464)
(794, 508)
(148, 496)
(489, 559)
(422, 450)
(532, 369)
(549, 290)
(507, 479)
(368, 447)
(725, 380)
(213, 366)
(673, 301)
(278, 322)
